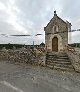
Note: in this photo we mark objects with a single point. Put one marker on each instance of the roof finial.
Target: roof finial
(55, 13)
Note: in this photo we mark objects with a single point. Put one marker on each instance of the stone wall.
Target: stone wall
(75, 58)
(4, 54)
(23, 55)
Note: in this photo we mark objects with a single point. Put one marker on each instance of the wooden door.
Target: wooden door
(55, 44)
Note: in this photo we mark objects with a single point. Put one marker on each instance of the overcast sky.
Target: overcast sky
(31, 16)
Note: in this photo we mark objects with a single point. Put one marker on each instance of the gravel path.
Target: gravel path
(27, 78)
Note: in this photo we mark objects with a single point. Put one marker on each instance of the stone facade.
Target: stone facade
(57, 29)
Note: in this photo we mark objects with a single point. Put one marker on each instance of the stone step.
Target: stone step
(63, 63)
(60, 68)
(61, 59)
(50, 66)
(53, 57)
(56, 55)
(58, 61)
(63, 68)
(58, 58)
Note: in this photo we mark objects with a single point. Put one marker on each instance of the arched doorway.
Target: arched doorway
(55, 44)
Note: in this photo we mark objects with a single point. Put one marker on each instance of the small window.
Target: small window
(54, 28)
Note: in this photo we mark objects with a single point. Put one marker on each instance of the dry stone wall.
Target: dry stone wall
(75, 58)
(24, 55)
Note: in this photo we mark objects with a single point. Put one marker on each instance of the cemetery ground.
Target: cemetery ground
(21, 77)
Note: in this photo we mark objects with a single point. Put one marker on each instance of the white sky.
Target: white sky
(31, 16)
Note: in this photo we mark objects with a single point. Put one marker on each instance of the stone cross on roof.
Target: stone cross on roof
(55, 13)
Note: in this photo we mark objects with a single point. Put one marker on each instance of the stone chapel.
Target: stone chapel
(56, 34)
